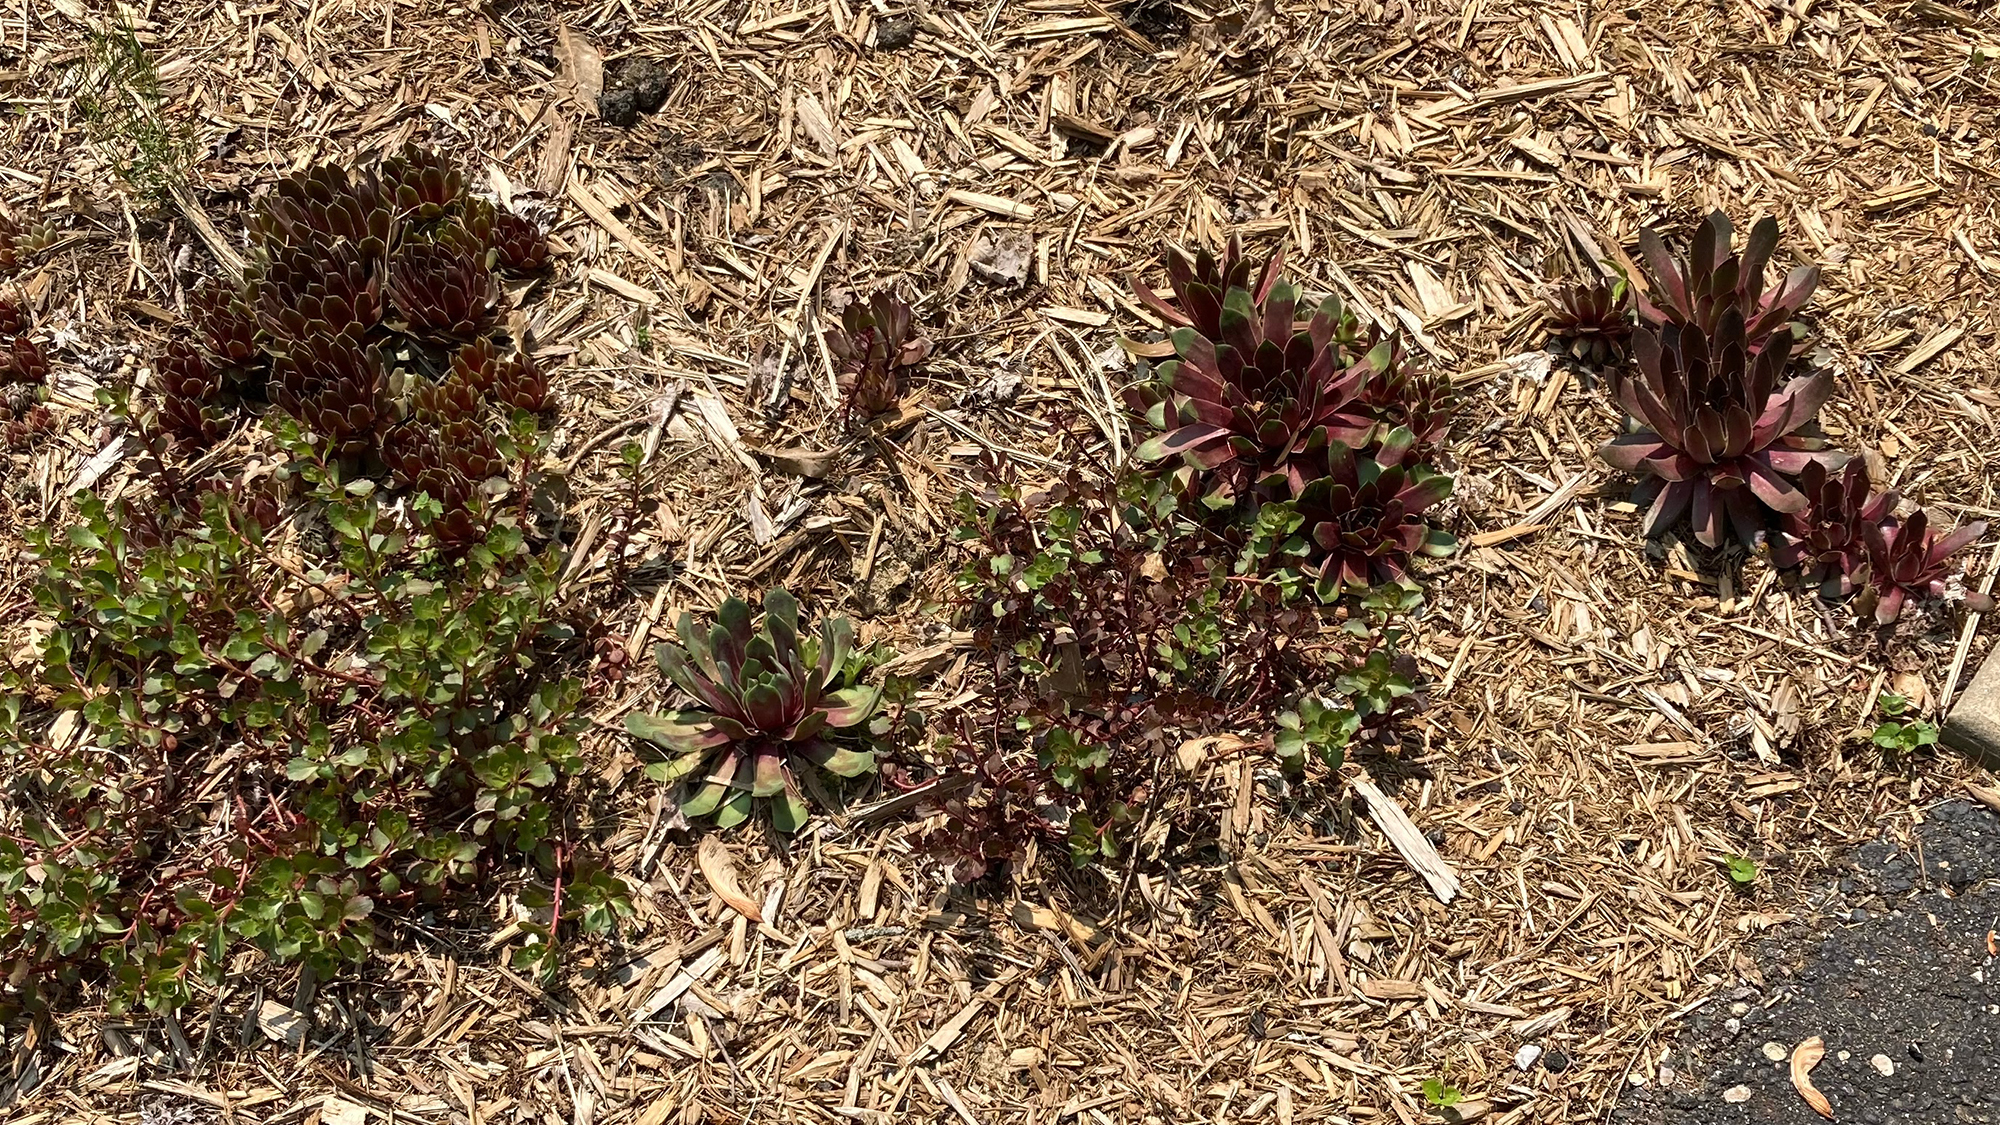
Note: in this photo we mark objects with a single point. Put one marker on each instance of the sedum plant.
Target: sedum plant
(770, 702)
(441, 290)
(1116, 633)
(1360, 521)
(1695, 292)
(1828, 539)
(24, 377)
(1720, 433)
(1848, 539)
(367, 290)
(1594, 319)
(190, 395)
(1907, 560)
(1261, 383)
(1201, 284)
(1399, 395)
(875, 346)
(212, 757)
(1244, 411)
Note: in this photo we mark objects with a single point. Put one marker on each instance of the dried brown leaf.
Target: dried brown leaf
(582, 66)
(720, 871)
(1003, 257)
(1805, 1056)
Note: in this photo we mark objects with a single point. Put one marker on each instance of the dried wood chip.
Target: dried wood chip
(1930, 349)
(1900, 195)
(998, 205)
(1392, 990)
(336, 1110)
(812, 464)
(582, 67)
(1804, 1057)
(281, 1024)
(626, 289)
(720, 870)
(1416, 850)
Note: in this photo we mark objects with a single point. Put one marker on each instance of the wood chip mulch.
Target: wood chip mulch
(1610, 719)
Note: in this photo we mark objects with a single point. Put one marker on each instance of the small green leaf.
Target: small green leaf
(1741, 870)
(1440, 1093)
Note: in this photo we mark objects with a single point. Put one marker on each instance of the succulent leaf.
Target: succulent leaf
(1695, 293)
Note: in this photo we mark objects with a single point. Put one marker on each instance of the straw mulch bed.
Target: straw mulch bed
(1610, 718)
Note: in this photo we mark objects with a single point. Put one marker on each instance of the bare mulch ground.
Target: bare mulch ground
(1610, 719)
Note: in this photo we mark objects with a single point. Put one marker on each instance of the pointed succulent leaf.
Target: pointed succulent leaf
(840, 761)
(836, 640)
(850, 706)
(789, 813)
(678, 730)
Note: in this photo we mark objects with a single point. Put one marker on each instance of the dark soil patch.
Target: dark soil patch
(895, 33)
(1898, 981)
(634, 86)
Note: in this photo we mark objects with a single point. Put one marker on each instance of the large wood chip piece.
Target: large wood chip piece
(1805, 1056)
(582, 67)
(1416, 850)
(720, 871)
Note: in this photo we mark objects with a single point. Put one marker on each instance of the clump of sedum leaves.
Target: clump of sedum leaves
(1694, 293)
(1117, 631)
(1909, 559)
(1360, 521)
(1279, 415)
(365, 287)
(1849, 539)
(213, 756)
(24, 375)
(1594, 320)
(770, 702)
(1721, 428)
(875, 347)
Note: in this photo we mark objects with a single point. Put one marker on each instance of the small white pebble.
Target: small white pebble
(1526, 1057)
(1843, 1056)
(1775, 1052)
(1883, 1066)
(1736, 1094)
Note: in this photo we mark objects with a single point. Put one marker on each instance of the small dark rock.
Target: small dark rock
(1857, 915)
(1556, 1062)
(634, 86)
(895, 33)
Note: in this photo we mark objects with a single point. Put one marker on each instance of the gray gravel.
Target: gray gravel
(1894, 976)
